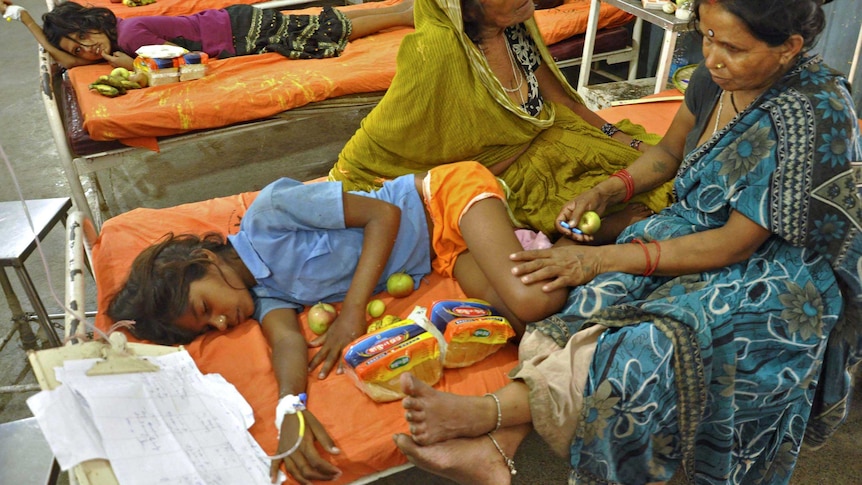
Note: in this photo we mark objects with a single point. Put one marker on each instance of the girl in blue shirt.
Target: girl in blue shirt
(302, 243)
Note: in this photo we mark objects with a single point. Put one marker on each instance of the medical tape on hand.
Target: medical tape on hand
(418, 315)
(13, 12)
(289, 404)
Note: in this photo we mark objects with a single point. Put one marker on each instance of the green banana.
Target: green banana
(105, 90)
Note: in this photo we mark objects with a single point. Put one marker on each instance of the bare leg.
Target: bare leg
(369, 21)
(468, 461)
(485, 271)
(436, 416)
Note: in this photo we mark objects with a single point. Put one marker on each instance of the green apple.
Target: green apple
(590, 223)
(399, 285)
(320, 317)
(375, 308)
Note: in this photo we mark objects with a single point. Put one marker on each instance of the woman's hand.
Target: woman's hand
(571, 212)
(558, 267)
(347, 327)
(120, 59)
(305, 464)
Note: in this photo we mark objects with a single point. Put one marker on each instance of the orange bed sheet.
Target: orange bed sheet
(360, 427)
(255, 87)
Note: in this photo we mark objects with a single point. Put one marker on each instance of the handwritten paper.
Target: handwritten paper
(174, 426)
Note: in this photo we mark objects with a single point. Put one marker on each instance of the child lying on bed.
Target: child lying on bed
(75, 35)
(299, 244)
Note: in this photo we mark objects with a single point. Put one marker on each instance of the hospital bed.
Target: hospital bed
(362, 428)
(250, 93)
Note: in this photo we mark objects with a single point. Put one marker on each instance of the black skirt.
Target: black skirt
(256, 31)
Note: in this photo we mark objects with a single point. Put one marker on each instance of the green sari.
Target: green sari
(445, 105)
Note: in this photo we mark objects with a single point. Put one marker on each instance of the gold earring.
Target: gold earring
(719, 66)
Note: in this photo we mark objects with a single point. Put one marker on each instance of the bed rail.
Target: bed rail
(80, 237)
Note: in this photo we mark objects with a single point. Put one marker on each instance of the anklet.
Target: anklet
(509, 462)
(499, 412)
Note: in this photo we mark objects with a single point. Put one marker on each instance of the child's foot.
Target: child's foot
(468, 461)
(435, 416)
(613, 225)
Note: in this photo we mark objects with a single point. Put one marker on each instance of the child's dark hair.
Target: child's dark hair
(156, 293)
(72, 18)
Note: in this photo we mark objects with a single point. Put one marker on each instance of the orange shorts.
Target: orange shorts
(449, 191)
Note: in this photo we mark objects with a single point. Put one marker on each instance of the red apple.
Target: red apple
(399, 285)
(320, 317)
(590, 223)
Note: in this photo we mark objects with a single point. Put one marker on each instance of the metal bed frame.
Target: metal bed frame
(76, 166)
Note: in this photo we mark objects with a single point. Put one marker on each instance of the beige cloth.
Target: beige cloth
(556, 378)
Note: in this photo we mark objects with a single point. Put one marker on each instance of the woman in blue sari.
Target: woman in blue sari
(717, 334)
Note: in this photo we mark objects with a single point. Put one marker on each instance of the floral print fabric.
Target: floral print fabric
(725, 372)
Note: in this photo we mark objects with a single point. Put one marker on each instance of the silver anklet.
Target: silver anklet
(509, 462)
(499, 412)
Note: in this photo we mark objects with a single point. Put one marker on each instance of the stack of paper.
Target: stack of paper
(171, 426)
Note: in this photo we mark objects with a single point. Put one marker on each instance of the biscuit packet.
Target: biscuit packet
(473, 330)
(376, 360)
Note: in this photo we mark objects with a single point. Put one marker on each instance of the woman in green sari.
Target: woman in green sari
(476, 82)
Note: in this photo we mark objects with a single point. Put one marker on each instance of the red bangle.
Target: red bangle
(657, 258)
(648, 269)
(628, 181)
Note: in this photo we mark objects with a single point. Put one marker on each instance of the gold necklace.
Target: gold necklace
(718, 115)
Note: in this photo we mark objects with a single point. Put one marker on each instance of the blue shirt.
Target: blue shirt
(294, 241)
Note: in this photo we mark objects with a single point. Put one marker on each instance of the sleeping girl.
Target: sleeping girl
(299, 244)
(76, 35)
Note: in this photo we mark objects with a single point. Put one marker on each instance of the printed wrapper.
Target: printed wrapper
(160, 71)
(473, 330)
(378, 376)
(473, 339)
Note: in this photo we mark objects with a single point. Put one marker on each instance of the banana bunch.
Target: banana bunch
(114, 84)
(137, 3)
(386, 321)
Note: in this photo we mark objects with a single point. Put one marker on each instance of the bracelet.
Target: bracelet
(635, 143)
(499, 412)
(647, 271)
(289, 404)
(628, 181)
(609, 129)
(295, 446)
(657, 258)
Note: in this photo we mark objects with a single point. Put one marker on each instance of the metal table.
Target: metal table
(671, 25)
(18, 242)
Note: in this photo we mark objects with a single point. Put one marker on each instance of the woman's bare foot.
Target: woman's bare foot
(468, 461)
(435, 416)
(613, 224)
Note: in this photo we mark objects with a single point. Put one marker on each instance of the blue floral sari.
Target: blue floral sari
(723, 373)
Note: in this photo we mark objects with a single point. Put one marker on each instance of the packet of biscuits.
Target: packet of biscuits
(376, 360)
(473, 330)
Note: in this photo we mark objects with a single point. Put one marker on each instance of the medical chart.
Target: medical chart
(173, 426)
